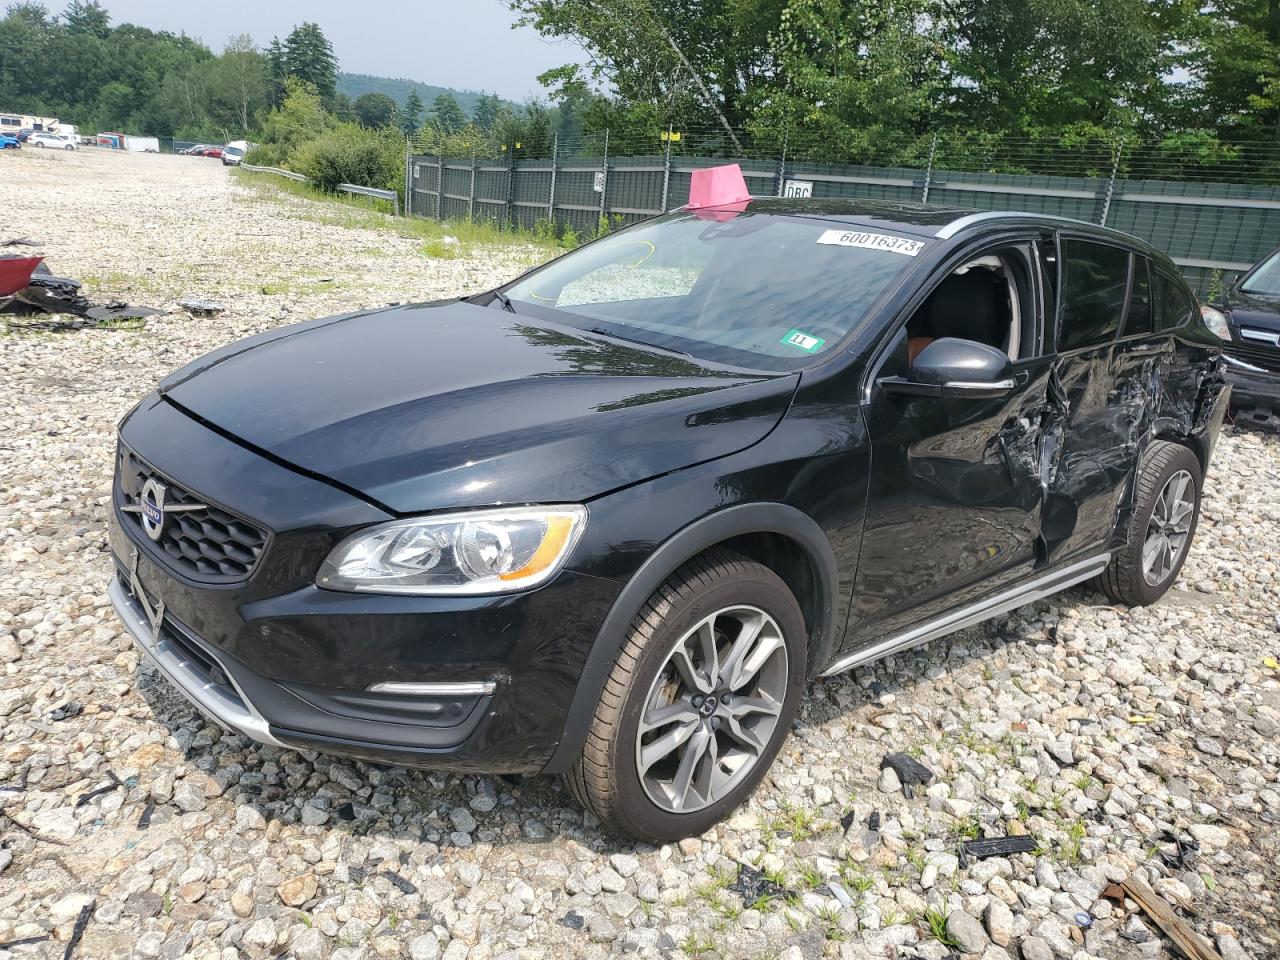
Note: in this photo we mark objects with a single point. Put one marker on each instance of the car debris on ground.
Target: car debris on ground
(201, 308)
(28, 287)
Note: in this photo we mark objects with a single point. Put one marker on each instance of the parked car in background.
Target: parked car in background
(607, 520)
(8, 142)
(234, 152)
(1247, 318)
(195, 150)
(51, 141)
(215, 152)
(25, 133)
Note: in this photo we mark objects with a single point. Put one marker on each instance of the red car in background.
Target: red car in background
(212, 152)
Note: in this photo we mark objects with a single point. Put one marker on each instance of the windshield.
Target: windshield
(1265, 278)
(233, 151)
(747, 289)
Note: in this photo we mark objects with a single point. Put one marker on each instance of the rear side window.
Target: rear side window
(1174, 306)
(1095, 280)
(1137, 319)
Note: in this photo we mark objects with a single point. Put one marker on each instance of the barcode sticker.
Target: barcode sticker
(872, 241)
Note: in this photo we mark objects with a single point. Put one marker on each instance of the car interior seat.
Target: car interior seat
(972, 305)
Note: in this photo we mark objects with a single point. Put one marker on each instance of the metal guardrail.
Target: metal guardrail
(390, 195)
(276, 170)
(376, 193)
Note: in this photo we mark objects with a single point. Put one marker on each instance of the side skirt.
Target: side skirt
(1028, 592)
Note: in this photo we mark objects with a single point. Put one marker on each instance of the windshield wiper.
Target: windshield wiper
(644, 343)
(503, 299)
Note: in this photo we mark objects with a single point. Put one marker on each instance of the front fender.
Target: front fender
(702, 534)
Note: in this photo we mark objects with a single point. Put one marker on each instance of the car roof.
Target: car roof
(932, 221)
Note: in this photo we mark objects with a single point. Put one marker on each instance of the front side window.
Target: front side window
(989, 299)
(747, 289)
(1095, 282)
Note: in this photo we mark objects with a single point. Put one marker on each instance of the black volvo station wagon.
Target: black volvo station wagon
(607, 520)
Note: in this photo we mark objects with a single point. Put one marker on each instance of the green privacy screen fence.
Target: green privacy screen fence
(1212, 230)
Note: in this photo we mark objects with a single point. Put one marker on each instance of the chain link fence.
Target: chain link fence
(1214, 208)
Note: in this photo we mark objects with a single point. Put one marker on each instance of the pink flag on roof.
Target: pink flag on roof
(717, 187)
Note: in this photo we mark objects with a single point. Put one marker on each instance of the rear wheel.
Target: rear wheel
(1160, 529)
(698, 703)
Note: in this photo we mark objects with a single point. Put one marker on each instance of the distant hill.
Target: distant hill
(355, 85)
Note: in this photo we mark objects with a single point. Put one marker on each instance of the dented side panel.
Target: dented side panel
(1105, 407)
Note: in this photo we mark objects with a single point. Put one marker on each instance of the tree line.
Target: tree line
(82, 69)
(859, 76)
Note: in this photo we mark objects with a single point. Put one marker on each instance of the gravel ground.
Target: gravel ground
(1091, 728)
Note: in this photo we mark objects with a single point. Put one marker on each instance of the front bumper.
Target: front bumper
(286, 663)
(1252, 386)
(223, 702)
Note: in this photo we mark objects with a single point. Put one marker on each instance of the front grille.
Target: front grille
(208, 545)
(1268, 358)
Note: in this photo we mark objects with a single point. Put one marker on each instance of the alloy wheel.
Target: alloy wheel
(712, 709)
(1169, 528)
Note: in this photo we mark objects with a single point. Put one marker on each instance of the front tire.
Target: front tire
(698, 703)
(1161, 527)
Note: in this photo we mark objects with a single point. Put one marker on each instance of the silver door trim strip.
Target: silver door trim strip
(1030, 592)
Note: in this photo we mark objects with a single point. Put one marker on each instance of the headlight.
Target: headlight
(1216, 321)
(481, 551)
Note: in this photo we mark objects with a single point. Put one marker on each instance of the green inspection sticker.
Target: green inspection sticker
(802, 341)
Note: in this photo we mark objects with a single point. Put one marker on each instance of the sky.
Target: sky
(466, 44)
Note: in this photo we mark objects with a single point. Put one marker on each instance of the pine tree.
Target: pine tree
(308, 55)
(276, 72)
(486, 111)
(447, 115)
(409, 116)
(87, 16)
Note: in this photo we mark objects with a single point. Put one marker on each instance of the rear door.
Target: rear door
(1086, 476)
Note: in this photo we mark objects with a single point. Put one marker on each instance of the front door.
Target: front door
(954, 504)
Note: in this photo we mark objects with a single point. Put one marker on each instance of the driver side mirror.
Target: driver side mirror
(951, 367)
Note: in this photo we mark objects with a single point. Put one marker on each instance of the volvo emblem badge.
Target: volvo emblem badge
(152, 502)
(153, 510)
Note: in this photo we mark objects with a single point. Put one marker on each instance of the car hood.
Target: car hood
(1254, 310)
(450, 404)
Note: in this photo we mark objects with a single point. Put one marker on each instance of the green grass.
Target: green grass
(362, 213)
(859, 883)
(1070, 851)
(936, 920)
(696, 947)
(809, 878)
(796, 822)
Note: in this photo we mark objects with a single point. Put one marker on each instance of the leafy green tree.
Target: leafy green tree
(1238, 57)
(861, 79)
(446, 115)
(1028, 65)
(376, 110)
(343, 108)
(411, 115)
(308, 55)
(238, 84)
